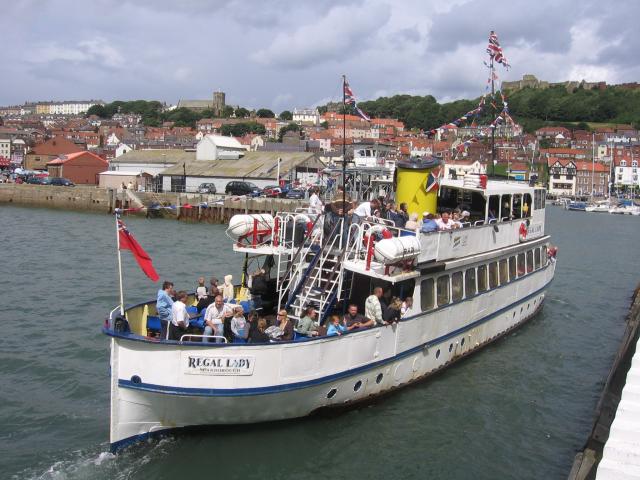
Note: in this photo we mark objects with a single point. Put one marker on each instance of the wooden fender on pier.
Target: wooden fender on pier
(243, 225)
(398, 249)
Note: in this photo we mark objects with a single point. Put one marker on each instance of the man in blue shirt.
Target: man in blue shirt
(164, 304)
(428, 223)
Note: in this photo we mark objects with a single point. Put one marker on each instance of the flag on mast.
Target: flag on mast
(495, 50)
(128, 242)
(350, 99)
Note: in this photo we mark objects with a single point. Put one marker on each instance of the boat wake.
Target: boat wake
(99, 464)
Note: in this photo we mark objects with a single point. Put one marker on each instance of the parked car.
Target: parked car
(242, 188)
(207, 188)
(272, 191)
(61, 182)
(295, 193)
(38, 180)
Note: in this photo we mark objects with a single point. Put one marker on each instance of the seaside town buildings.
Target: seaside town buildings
(45, 136)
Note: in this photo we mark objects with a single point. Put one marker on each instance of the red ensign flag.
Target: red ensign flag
(128, 242)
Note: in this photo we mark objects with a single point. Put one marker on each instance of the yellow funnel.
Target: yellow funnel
(412, 181)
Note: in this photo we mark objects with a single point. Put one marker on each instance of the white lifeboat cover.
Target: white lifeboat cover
(240, 225)
(393, 250)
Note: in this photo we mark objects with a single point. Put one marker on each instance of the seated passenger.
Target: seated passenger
(465, 216)
(306, 325)
(445, 223)
(428, 223)
(412, 223)
(285, 325)
(354, 320)
(239, 326)
(258, 335)
(393, 312)
(179, 317)
(456, 220)
(214, 319)
(201, 290)
(335, 328)
(406, 306)
(227, 290)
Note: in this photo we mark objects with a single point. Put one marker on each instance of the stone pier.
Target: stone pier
(204, 208)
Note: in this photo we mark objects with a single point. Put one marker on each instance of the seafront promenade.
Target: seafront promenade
(189, 206)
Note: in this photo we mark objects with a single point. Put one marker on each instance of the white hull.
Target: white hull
(153, 390)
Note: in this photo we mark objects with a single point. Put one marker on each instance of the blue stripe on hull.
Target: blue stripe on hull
(240, 392)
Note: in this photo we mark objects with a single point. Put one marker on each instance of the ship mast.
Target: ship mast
(493, 104)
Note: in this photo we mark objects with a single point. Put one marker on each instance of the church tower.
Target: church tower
(218, 103)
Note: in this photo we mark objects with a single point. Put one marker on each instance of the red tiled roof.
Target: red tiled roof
(61, 160)
(56, 146)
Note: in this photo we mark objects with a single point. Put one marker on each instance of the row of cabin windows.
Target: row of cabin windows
(474, 280)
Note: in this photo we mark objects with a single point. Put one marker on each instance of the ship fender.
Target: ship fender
(242, 225)
(523, 232)
(399, 249)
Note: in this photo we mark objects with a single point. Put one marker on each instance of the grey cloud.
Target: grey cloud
(545, 24)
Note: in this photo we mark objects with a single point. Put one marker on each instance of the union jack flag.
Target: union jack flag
(433, 181)
(350, 99)
(495, 50)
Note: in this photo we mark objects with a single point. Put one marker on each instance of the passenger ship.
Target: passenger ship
(470, 286)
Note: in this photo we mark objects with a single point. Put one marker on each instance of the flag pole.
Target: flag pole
(344, 155)
(119, 263)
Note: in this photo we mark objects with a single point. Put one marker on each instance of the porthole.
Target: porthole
(438, 354)
(136, 379)
(450, 347)
(332, 393)
(357, 386)
(379, 378)
(462, 342)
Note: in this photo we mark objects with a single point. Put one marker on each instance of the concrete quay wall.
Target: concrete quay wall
(218, 209)
(66, 198)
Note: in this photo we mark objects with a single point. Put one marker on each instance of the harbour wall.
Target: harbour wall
(586, 462)
(203, 208)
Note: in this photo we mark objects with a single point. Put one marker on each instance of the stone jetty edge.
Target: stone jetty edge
(218, 210)
(586, 461)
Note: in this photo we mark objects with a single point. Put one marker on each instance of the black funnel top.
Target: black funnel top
(419, 163)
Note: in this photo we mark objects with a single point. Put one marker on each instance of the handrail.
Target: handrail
(325, 253)
(309, 235)
(323, 245)
(193, 335)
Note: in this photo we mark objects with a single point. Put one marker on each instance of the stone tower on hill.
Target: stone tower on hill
(218, 103)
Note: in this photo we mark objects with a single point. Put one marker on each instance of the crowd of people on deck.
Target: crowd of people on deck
(225, 321)
(379, 208)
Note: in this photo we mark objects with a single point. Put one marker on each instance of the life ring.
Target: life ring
(374, 232)
(523, 232)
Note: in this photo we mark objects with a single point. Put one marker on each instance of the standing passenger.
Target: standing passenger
(164, 303)
(227, 290)
(373, 308)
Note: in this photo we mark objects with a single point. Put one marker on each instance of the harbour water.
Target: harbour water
(518, 409)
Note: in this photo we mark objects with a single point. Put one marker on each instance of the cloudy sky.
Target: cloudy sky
(282, 54)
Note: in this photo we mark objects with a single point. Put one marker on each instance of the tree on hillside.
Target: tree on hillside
(286, 116)
(292, 127)
(241, 129)
(241, 112)
(97, 110)
(265, 113)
